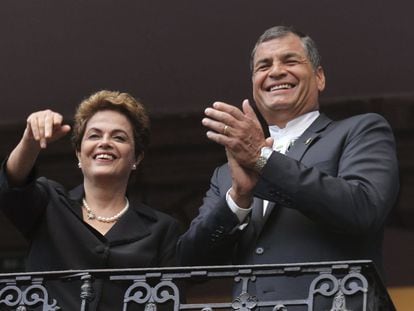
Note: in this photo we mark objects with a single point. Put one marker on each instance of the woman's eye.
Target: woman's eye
(119, 138)
(93, 136)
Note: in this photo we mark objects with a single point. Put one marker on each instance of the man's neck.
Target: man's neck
(282, 118)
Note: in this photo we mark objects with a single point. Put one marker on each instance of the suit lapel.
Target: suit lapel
(296, 151)
(308, 138)
(269, 210)
(260, 220)
(257, 215)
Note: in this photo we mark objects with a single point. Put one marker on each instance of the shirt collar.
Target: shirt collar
(295, 127)
(283, 137)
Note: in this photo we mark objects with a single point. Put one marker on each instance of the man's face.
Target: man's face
(285, 85)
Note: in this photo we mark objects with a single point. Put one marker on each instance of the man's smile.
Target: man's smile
(283, 86)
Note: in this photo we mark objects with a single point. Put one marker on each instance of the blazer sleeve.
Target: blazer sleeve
(23, 206)
(354, 200)
(212, 235)
(168, 256)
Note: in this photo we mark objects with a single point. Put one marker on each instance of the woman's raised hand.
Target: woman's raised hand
(45, 126)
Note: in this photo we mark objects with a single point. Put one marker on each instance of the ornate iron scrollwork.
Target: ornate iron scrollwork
(12, 295)
(339, 302)
(328, 285)
(142, 293)
(244, 302)
(32, 295)
(336, 286)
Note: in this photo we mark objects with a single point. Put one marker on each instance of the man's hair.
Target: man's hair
(123, 103)
(282, 31)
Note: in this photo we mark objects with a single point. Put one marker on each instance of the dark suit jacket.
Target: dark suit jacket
(330, 196)
(51, 219)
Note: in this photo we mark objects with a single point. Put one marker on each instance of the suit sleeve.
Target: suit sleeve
(212, 236)
(358, 198)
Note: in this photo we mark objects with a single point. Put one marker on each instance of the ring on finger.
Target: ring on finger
(225, 130)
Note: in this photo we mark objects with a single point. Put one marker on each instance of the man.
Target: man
(315, 190)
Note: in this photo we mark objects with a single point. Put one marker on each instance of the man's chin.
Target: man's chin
(278, 106)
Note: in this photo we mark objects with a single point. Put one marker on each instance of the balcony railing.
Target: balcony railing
(164, 288)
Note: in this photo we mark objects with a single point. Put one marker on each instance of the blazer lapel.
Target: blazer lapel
(308, 138)
(296, 151)
(131, 226)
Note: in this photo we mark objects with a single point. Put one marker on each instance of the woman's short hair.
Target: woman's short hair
(123, 103)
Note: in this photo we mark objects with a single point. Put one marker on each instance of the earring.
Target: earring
(79, 164)
(134, 166)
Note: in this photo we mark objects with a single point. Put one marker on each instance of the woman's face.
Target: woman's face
(107, 147)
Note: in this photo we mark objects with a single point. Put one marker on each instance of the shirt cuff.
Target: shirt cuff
(241, 213)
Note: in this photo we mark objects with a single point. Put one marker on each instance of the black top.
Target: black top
(51, 220)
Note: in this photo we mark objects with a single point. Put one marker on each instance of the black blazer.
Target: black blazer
(330, 196)
(51, 220)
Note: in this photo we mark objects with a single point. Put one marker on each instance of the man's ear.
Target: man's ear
(320, 78)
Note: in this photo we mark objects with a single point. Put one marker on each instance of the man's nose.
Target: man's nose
(277, 69)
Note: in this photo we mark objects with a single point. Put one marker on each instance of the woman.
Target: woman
(94, 226)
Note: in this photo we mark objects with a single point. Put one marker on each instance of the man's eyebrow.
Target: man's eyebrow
(263, 60)
(292, 54)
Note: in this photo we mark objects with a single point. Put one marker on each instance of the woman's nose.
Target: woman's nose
(105, 141)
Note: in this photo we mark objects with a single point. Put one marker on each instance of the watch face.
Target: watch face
(260, 163)
(266, 152)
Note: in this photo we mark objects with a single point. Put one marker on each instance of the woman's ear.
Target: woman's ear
(138, 160)
(79, 161)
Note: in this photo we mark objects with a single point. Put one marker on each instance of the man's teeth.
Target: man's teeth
(281, 86)
(105, 156)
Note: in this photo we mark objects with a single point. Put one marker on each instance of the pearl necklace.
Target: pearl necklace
(92, 215)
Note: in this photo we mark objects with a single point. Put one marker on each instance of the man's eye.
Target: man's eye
(292, 62)
(262, 67)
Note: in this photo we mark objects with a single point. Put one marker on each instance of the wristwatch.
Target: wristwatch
(265, 153)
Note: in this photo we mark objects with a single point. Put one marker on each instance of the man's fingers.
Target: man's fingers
(269, 142)
(229, 110)
(218, 138)
(214, 125)
(220, 116)
(248, 110)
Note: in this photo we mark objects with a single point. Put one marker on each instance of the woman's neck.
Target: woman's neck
(106, 196)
